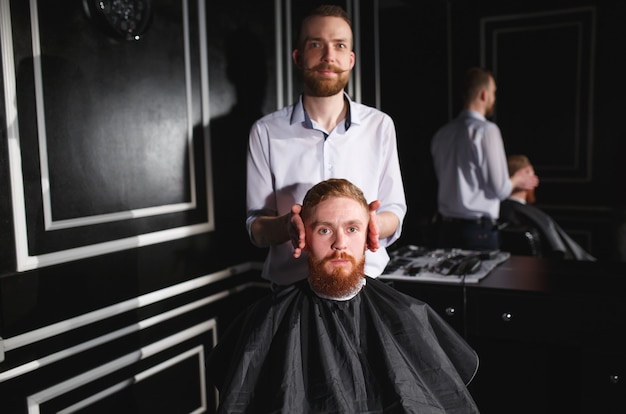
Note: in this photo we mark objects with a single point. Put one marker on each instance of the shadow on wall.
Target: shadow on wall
(245, 55)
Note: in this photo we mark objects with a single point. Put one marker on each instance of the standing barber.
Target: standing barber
(323, 135)
(471, 168)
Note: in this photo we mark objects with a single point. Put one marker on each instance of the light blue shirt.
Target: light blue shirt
(471, 168)
(288, 154)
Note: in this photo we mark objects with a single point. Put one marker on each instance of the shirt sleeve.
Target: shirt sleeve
(495, 168)
(391, 187)
(259, 188)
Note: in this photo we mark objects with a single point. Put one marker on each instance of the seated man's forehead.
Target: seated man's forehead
(344, 205)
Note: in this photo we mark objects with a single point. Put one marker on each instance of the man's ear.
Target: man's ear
(483, 95)
(297, 58)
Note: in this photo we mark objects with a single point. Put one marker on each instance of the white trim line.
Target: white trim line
(141, 376)
(206, 110)
(13, 135)
(278, 57)
(49, 331)
(35, 400)
(27, 262)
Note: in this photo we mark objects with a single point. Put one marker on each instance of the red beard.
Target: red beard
(323, 87)
(340, 282)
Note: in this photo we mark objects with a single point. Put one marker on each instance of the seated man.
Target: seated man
(518, 211)
(340, 341)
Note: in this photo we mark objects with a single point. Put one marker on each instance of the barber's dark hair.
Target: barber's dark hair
(334, 187)
(476, 79)
(324, 10)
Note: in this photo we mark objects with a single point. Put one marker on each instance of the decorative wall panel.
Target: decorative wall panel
(110, 149)
(545, 58)
(145, 354)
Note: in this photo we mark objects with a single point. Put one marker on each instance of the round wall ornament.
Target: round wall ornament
(121, 19)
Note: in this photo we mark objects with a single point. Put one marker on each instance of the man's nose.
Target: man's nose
(340, 242)
(328, 54)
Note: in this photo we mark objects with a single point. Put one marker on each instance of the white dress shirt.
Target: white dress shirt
(471, 168)
(288, 154)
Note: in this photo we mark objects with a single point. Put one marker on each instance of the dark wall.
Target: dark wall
(414, 91)
(559, 89)
(242, 88)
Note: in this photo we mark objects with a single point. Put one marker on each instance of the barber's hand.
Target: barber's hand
(296, 230)
(525, 179)
(373, 230)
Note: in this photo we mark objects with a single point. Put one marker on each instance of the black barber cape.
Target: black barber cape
(379, 352)
(554, 240)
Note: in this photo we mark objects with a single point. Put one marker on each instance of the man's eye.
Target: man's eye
(352, 230)
(324, 231)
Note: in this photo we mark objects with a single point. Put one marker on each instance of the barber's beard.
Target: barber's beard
(322, 87)
(340, 282)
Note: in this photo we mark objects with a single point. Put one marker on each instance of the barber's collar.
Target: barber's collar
(299, 114)
(475, 114)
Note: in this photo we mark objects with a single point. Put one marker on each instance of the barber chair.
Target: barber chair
(520, 240)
